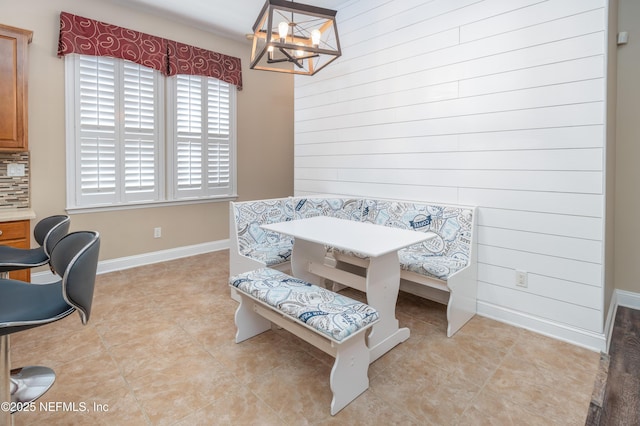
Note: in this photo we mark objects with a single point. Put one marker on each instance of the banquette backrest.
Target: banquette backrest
(343, 208)
(452, 225)
(253, 241)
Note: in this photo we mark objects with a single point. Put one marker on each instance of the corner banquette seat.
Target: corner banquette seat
(443, 268)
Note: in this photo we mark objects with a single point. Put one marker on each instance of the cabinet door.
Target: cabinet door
(16, 234)
(13, 88)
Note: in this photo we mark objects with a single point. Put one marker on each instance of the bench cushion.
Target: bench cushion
(424, 263)
(330, 313)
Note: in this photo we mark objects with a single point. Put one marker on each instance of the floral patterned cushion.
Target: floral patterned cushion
(344, 208)
(268, 247)
(452, 225)
(330, 313)
(424, 263)
(438, 257)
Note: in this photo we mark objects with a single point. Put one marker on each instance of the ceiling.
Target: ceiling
(229, 18)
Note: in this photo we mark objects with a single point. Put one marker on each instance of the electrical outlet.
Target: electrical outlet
(15, 169)
(522, 279)
(157, 232)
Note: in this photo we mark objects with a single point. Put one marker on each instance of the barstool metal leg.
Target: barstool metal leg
(30, 383)
(26, 384)
(6, 419)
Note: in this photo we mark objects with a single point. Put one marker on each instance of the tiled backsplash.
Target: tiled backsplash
(14, 191)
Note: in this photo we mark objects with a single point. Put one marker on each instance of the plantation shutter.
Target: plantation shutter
(218, 137)
(96, 149)
(202, 137)
(141, 133)
(118, 131)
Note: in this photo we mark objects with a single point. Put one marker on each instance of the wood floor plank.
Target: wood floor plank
(621, 402)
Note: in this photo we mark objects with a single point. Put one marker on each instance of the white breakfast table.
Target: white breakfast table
(379, 243)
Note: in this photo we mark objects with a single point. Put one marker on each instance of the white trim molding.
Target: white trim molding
(627, 299)
(112, 265)
(580, 337)
(624, 298)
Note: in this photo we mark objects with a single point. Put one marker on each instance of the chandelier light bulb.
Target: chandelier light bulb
(283, 29)
(315, 37)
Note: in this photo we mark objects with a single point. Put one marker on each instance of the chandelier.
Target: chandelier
(294, 38)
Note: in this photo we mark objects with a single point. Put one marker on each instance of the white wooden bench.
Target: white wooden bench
(331, 322)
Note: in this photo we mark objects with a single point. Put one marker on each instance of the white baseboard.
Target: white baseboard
(624, 298)
(627, 299)
(576, 336)
(112, 265)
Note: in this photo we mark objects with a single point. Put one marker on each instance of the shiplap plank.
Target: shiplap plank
(589, 136)
(550, 245)
(565, 115)
(544, 223)
(543, 75)
(529, 139)
(548, 266)
(527, 16)
(552, 181)
(558, 311)
(407, 21)
(547, 32)
(379, 101)
(411, 107)
(356, 84)
(570, 159)
(589, 205)
(391, 191)
(552, 288)
(380, 146)
(375, 67)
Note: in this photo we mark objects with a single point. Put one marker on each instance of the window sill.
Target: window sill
(147, 205)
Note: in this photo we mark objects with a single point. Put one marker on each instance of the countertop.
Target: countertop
(9, 215)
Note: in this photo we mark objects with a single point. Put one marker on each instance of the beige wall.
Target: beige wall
(265, 131)
(627, 204)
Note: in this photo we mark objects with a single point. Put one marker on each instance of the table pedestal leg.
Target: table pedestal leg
(383, 284)
(303, 253)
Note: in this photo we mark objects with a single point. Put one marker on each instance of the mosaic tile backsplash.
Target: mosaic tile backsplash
(14, 191)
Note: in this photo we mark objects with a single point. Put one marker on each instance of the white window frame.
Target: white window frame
(205, 139)
(166, 191)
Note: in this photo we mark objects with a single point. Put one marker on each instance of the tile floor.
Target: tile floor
(159, 349)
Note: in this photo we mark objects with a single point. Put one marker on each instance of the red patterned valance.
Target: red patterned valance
(185, 59)
(89, 37)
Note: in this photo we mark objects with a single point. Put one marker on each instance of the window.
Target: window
(137, 137)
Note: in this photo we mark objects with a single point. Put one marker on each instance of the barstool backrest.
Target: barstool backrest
(50, 230)
(75, 258)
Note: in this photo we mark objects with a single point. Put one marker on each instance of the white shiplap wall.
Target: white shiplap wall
(494, 103)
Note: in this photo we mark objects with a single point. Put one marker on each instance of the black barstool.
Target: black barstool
(29, 383)
(47, 233)
(24, 306)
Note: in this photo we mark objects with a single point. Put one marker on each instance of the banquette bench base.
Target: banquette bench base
(331, 322)
(459, 293)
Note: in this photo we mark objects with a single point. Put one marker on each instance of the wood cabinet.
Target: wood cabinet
(16, 234)
(13, 88)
